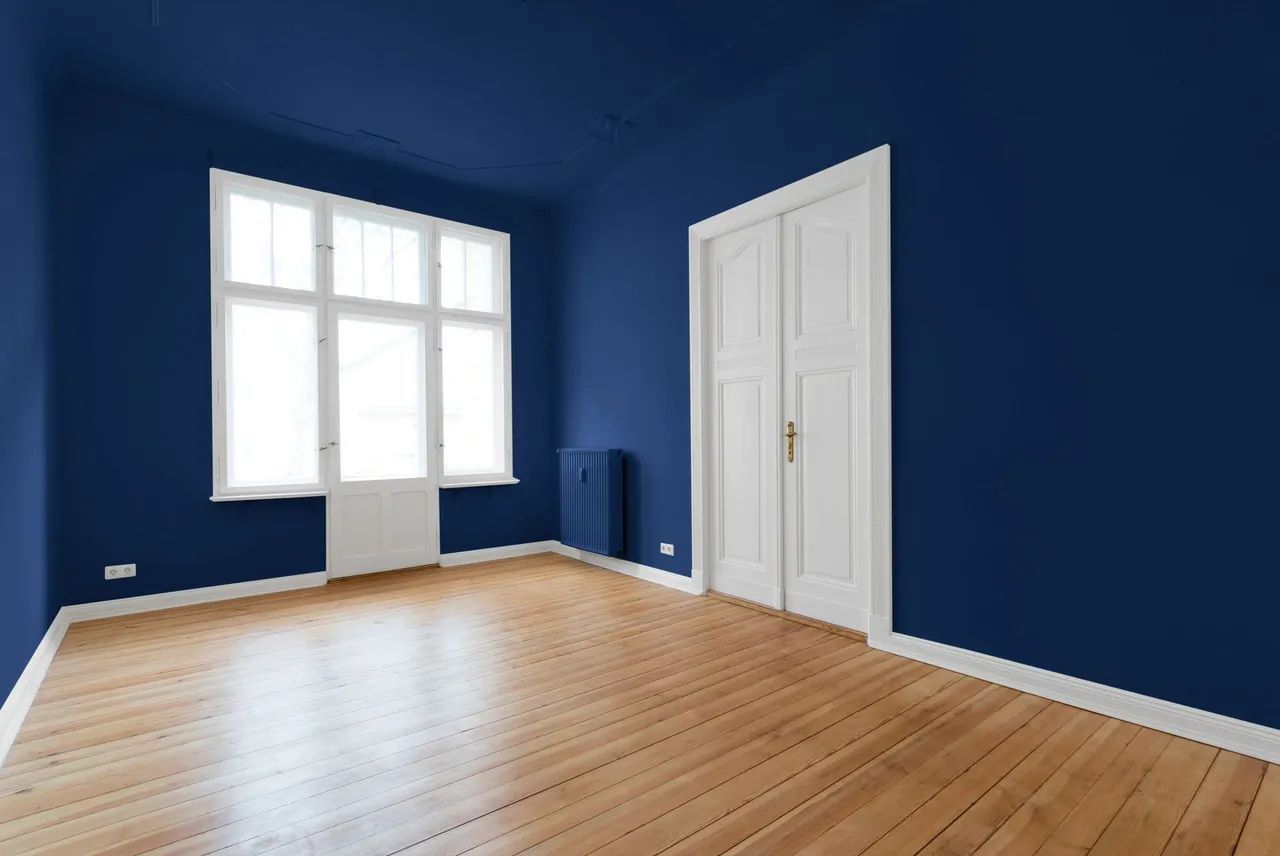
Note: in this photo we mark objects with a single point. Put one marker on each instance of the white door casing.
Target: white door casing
(827, 516)
(742, 288)
(826, 488)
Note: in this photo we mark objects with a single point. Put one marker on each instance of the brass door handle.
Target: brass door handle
(791, 442)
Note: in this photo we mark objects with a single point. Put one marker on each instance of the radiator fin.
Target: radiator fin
(591, 500)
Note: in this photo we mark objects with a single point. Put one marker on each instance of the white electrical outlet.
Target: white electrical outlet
(119, 572)
(667, 549)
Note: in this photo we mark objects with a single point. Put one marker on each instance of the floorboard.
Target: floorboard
(540, 705)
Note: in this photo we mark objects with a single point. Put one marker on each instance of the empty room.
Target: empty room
(678, 427)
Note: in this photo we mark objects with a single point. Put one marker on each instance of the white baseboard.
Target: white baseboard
(609, 563)
(490, 554)
(631, 569)
(1235, 735)
(24, 691)
(879, 628)
(190, 597)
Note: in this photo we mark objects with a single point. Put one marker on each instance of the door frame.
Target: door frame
(872, 169)
(430, 325)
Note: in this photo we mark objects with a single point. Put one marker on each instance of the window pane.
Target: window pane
(272, 411)
(377, 259)
(293, 246)
(382, 398)
(480, 285)
(453, 271)
(271, 242)
(250, 225)
(474, 399)
(468, 274)
(348, 256)
(407, 270)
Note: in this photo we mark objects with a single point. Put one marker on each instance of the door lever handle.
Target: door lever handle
(791, 441)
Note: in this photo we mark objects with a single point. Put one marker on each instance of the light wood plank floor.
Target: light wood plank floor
(540, 705)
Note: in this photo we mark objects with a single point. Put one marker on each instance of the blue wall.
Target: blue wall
(26, 605)
(1086, 287)
(132, 328)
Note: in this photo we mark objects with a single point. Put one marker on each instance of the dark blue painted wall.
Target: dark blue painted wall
(132, 332)
(26, 606)
(1086, 290)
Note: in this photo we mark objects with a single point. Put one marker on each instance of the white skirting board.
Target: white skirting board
(493, 554)
(609, 563)
(24, 691)
(1247, 738)
(1235, 735)
(190, 597)
(631, 569)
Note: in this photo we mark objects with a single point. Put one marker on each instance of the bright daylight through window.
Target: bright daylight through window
(347, 337)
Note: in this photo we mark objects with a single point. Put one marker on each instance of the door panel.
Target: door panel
(742, 286)
(823, 286)
(739, 287)
(406, 510)
(742, 465)
(358, 533)
(824, 475)
(383, 495)
(826, 489)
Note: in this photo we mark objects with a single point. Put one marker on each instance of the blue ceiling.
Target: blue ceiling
(533, 97)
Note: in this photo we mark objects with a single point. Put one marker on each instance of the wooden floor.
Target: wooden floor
(540, 705)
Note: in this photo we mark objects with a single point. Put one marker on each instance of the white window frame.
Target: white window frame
(327, 303)
(499, 320)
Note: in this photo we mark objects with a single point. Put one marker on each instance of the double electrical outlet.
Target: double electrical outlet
(119, 572)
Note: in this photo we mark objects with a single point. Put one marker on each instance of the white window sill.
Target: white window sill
(249, 497)
(486, 483)
(246, 497)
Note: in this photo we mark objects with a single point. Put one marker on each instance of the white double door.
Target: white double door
(790, 470)
(383, 475)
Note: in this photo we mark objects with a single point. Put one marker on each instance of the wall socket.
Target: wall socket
(667, 549)
(119, 572)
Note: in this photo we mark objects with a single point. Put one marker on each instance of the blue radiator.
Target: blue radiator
(591, 500)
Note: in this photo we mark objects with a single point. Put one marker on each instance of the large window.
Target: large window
(346, 337)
